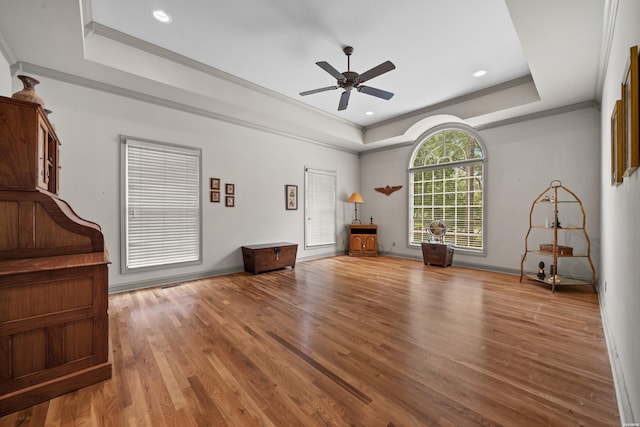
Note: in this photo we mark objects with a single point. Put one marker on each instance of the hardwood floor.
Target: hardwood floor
(349, 342)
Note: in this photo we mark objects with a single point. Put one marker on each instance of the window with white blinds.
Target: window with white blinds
(320, 208)
(446, 182)
(162, 207)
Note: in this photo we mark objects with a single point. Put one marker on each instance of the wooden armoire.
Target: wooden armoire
(54, 335)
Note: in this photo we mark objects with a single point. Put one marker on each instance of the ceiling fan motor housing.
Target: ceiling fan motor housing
(351, 80)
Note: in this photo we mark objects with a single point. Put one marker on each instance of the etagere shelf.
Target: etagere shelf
(550, 201)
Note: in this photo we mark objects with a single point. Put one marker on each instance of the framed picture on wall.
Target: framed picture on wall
(631, 111)
(215, 197)
(214, 184)
(617, 149)
(291, 197)
(229, 201)
(230, 189)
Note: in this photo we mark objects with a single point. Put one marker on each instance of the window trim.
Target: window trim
(307, 199)
(410, 169)
(124, 141)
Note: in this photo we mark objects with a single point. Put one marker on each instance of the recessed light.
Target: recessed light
(369, 113)
(162, 16)
(479, 73)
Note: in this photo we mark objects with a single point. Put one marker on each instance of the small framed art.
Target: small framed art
(229, 201)
(230, 189)
(215, 197)
(291, 197)
(617, 148)
(214, 184)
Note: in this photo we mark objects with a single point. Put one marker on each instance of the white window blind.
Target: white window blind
(162, 205)
(446, 182)
(320, 208)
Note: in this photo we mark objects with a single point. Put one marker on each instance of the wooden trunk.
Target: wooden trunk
(437, 254)
(269, 256)
(54, 332)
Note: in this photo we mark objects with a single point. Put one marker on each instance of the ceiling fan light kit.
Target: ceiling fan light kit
(349, 80)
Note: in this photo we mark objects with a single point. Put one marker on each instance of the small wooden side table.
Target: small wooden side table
(437, 254)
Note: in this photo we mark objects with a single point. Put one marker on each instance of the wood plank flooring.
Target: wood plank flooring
(349, 342)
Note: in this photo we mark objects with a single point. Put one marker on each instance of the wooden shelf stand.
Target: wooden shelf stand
(551, 198)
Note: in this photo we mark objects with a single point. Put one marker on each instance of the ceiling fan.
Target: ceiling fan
(351, 80)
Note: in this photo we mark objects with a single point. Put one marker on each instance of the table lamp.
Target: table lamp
(355, 198)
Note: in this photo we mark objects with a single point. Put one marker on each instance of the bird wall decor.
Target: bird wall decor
(388, 190)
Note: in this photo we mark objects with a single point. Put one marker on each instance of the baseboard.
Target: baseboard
(172, 280)
(26, 397)
(622, 395)
(492, 268)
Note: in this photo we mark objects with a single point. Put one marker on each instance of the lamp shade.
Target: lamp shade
(355, 198)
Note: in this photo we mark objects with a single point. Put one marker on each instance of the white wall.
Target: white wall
(5, 77)
(620, 298)
(523, 158)
(89, 122)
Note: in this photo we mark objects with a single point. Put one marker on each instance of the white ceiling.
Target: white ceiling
(435, 45)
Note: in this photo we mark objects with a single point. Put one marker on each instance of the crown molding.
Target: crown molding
(139, 96)
(608, 29)
(539, 114)
(458, 100)
(136, 43)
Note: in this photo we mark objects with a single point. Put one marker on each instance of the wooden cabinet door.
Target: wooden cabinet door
(370, 244)
(42, 156)
(356, 244)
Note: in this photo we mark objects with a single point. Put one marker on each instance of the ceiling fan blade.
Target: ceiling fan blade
(322, 89)
(375, 92)
(376, 71)
(329, 69)
(344, 100)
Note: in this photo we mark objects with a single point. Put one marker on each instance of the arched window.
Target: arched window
(446, 181)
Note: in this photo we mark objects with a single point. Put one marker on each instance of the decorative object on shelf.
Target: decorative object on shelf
(559, 249)
(215, 197)
(388, 190)
(617, 147)
(214, 184)
(437, 229)
(631, 109)
(229, 201)
(355, 198)
(371, 220)
(230, 189)
(28, 93)
(291, 197)
(541, 274)
(554, 279)
(550, 198)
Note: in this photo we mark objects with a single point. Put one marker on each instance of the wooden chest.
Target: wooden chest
(437, 254)
(269, 256)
